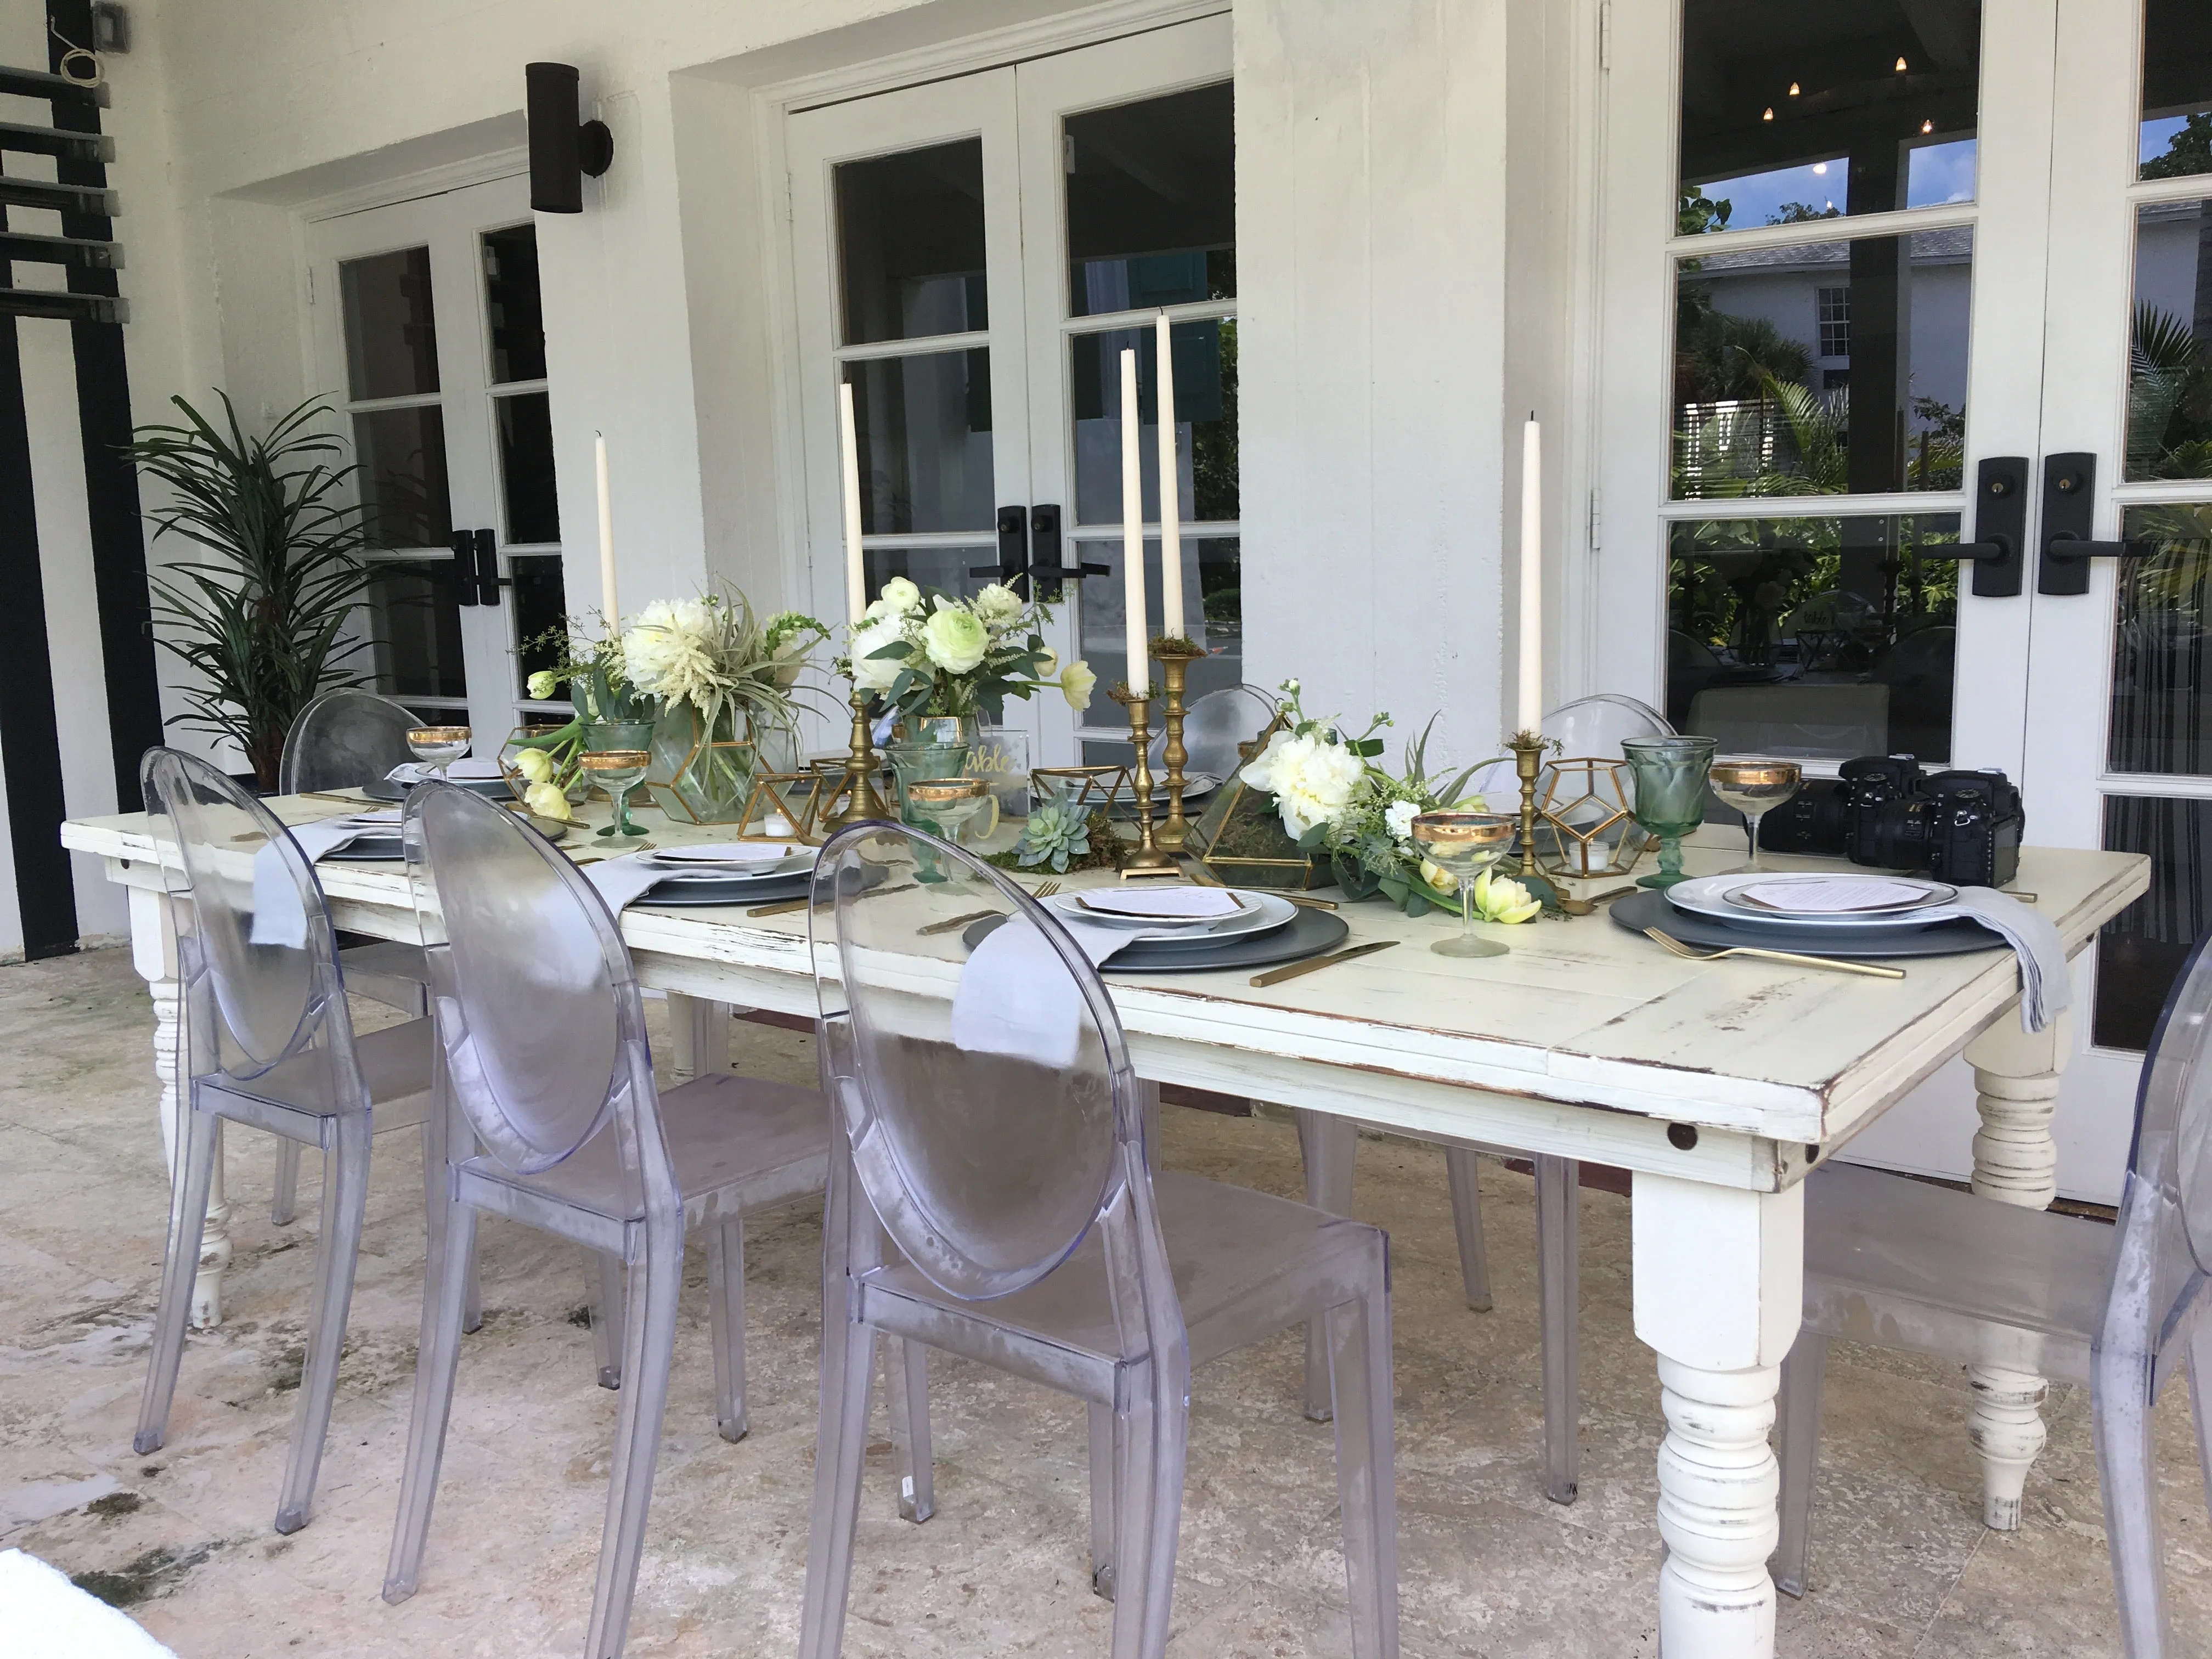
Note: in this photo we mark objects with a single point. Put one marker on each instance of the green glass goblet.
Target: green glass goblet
(618, 771)
(1464, 845)
(1669, 776)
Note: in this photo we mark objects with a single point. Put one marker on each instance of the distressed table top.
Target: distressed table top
(1769, 1061)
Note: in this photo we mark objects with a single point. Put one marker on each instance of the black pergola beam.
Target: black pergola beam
(59, 198)
(74, 251)
(94, 147)
(37, 83)
(64, 307)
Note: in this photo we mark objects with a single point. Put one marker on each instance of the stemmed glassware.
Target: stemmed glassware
(1755, 788)
(1464, 845)
(1669, 775)
(618, 771)
(951, 807)
(437, 746)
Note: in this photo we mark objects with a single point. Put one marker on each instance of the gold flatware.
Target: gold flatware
(1871, 970)
(1315, 964)
(780, 908)
(342, 800)
(1045, 889)
(951, 923)
(1584, 907)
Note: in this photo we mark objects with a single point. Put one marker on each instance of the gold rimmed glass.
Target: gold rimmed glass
(952, 808)
(437, 746)
(1464, 845)
(1755, 788)
(618, 771)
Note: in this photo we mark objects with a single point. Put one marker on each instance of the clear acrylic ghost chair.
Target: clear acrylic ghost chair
(1900, 1264)
(542, 1030)
(264, 1039)
(1213, 727)
(342, 739)
(991, 1195)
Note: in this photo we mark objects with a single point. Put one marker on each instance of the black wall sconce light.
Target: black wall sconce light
(561, 151)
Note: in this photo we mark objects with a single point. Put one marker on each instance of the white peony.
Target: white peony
(998, 606)
(878, 675)
(900, 596)
(1311, 779)
(1398, 817)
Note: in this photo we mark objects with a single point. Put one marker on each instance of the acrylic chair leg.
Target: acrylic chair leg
(2119, 1417)
(1366, 1467)
(648, 1354)
(1460, 1163)
(472, 1308)
(848, 1356)
(2200, 1399)
(1105, 1470)
(345, 1207)
(906, 1395)
(1132, 1540)
(1558, 1294)
(436, 1206)
(725, 1318)
(1170, 1427)
(1331, 1145)
(603, 1286)
(1798, 1437)
(437, 1357)
(284, 1195)
(179, 1269)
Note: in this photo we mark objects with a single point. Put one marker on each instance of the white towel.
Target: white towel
(2046, 989)
(1015, 996)
(46, 1616)
(278, 917)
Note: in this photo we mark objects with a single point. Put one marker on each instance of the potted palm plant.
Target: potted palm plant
(261, 617)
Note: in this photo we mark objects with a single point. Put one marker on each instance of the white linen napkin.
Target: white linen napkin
(50, 1618)
(622, 881)
(2046, 989)
(1015, 996)
(278, 917)
(1161, 904)
(478, 768)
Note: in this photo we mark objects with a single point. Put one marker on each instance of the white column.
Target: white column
(1719, 1292)
(154, 954)
(2016, 1078)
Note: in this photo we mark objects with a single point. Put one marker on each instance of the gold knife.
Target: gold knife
(1277, 975)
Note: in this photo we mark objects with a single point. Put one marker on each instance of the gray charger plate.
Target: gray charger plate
(1941, 939)
(389, 849)
(684, 895)
(1308, 935)
(490, 788)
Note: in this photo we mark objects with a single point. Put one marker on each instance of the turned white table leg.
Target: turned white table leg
(2016, 1078)
(699, 1032)
(154, 954)
(1720, 1287)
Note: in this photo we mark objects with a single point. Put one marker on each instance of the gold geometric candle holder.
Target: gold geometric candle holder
(1586, 827)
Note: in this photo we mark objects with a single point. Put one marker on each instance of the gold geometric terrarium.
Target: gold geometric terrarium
(1585, 826)
(1240, 840)
(1089, 788)
(794, 797)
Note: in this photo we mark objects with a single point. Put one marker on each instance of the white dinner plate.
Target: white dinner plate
(1882, 896)
(1260, 912)
(1708, 895)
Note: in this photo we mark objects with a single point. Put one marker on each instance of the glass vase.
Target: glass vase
(698, 774)
(928, 747)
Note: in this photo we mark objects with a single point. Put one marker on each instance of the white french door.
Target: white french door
(972, 256)
(430, 331)
(1871, 293)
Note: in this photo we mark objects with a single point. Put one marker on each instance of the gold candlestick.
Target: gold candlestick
(1175, 656)
(1147, 860)
(855, 800)
(1527, 749)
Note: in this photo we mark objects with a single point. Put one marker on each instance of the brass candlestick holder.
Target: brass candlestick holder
(1175, 656)
(1147, 860)
(853, 798)
(1527, 749)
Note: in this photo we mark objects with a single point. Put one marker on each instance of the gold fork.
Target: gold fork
(1871, 970)
(1043, 889)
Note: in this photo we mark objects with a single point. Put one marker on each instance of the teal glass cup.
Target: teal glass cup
(1669, 776)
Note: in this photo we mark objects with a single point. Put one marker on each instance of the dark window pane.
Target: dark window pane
(1205, 411)
(392, 339)
(2142, 948)
(540, 605)
(2177, 91)
(911, 243)
(416, 619)
(511, 304)
(1825, 638)
(526, 467)
(2170, 364)
(1826, 108)
(1823, 368)
(1210, 582)
(401, 453)
(924, 428)
(942, 569)
(2161, 696)
(1152, 202)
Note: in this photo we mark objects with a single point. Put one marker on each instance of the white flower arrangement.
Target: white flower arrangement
(934, 655)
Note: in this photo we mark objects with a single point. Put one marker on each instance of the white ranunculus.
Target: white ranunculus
(1311, 779)
(999, 605)
(1048, 664)
(1076, 681)
(1398, 817)
(954, 639)
(901, 595)
(878, 675)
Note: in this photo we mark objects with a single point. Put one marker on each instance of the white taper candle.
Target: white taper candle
(1171, 617)
(1132, 531)
(1529, 712)
(608, 602)
(848, 477)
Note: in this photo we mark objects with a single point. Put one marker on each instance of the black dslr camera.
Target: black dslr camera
(1960, 827)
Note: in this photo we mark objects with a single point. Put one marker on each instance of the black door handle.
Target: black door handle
(2070, 510)
(2000, 527)
(1013, 546)
(464, 543)
(2069, 547)
(485, 575)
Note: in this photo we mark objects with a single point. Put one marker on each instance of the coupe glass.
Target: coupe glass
(618, 771)
(437, 746)
(1753, 789)
(1465, 844)
(1670, 776)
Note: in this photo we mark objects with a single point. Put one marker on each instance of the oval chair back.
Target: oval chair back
(343, 739)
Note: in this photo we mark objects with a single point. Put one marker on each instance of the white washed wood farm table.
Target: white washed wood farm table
(1718, 1085)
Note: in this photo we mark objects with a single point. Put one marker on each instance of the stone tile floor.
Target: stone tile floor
(1902, 1564)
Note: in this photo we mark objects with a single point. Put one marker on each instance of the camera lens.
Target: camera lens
(1897, 834)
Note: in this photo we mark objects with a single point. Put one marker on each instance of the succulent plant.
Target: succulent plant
(1057, 832)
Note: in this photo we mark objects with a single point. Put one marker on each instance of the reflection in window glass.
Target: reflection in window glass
(540, 606)
(943, 569)
(1205, 413)
(911, 243)
(2141, 950)
(2161, 678)
(414, 623)
(924, 426)
(392, 339)
(2170, 364)
(1823, 367)
(2176, 136)
(511, 305)
(402, 456)
(1152, 202)
(1209, 581)
(526, 467)
(1821, 109)
(1825, 638)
